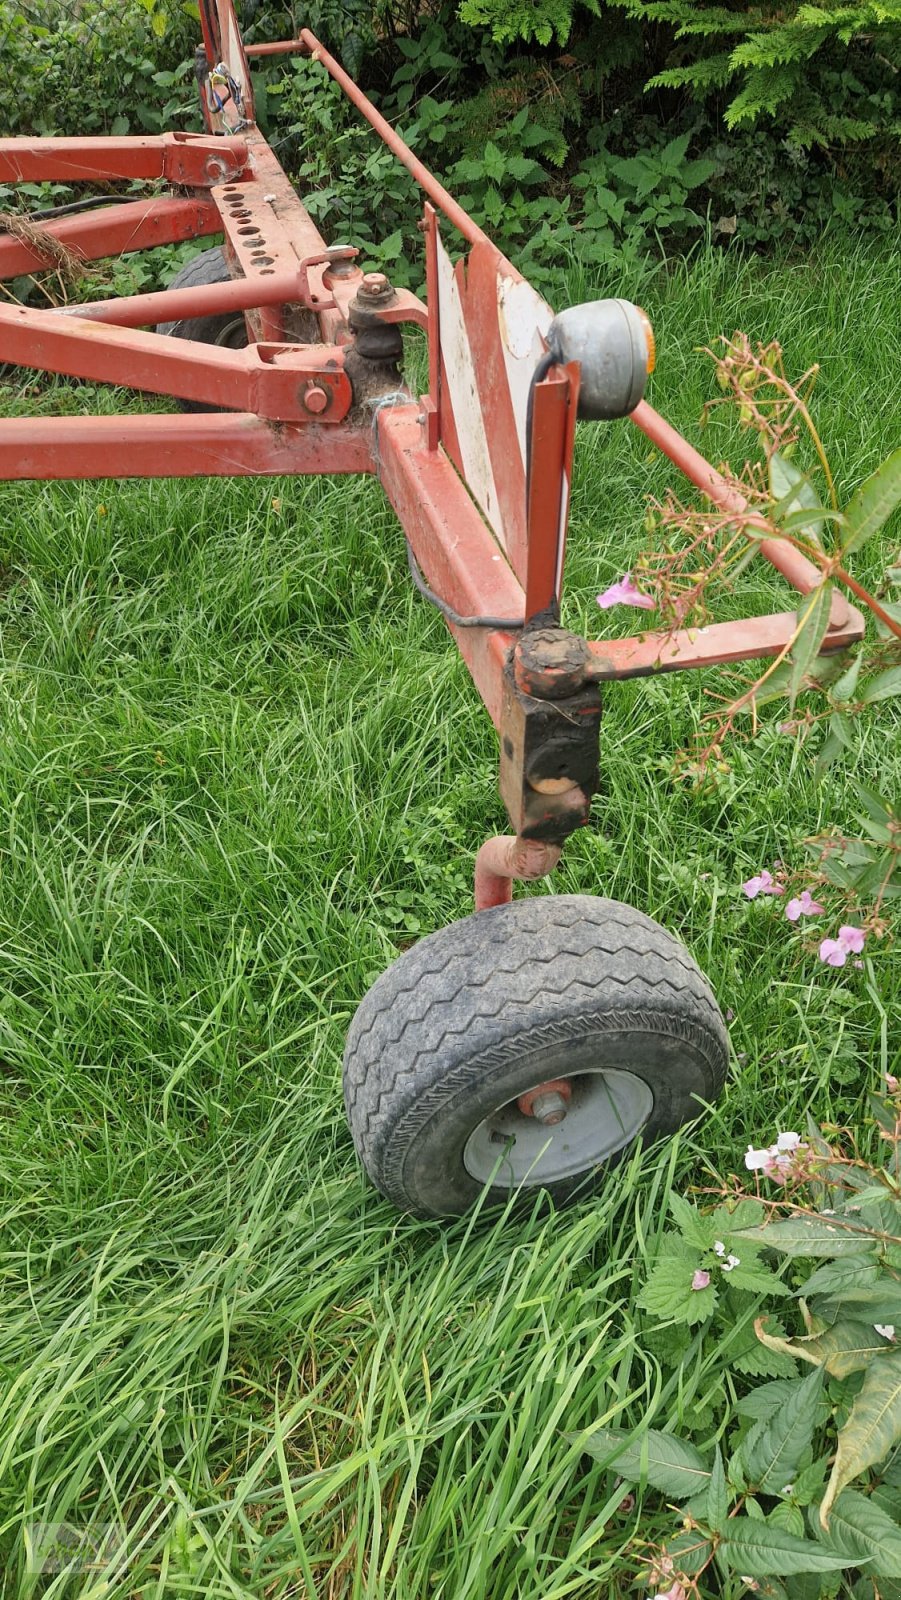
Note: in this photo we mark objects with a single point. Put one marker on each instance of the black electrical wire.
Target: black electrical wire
(87, 204)
(503, 624)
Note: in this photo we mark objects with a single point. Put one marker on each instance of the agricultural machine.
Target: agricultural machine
(528, 1044)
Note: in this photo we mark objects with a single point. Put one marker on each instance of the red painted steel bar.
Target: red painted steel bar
(281, 47)
(196, 159)
(228, 444)
(435, 190)
(505, 858)
(715, 645)
(790, 562)
(113, 231)
(453, 546)
(548, 488)
(171, 305)
(268, 380)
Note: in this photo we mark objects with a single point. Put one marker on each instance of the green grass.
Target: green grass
(240, 764)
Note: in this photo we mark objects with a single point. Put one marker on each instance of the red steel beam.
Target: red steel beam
(230, 444)
(172, 305)
(455, 550)
(715, 645)
(269, 380)
(112, 231)
(784, 557)
(555, 401)
(198, 160)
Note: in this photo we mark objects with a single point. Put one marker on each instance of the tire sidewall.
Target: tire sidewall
(424, 1159)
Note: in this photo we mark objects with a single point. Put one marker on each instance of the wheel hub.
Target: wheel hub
(605, 1110)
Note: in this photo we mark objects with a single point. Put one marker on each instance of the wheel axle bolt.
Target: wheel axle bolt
(315, 399)
(375, 283)
(549, 1108)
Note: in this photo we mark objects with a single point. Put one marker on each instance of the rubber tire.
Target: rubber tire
(492, 1005)
(210, 266)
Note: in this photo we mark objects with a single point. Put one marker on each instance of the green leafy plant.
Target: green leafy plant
(801, 1476)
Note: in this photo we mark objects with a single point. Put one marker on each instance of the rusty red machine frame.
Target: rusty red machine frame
(478, 469)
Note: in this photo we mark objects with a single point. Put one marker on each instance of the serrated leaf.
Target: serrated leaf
(792, 491)
(808, 1485)
(744, 1214)
(660, 1459)
(787, 1516)
(764, 1400)
(695, 1229)
(690, 1551)
(872, 1429)
(843, 688)
(774, 1447)
(882, 687)
(812, 1236)
(718, 1497)
(813, 619)
(762, 1550)
(757, 1278)
(844, 1348)
(838, 1277)
(873, 502)
(861, 1531)
(668, 1291)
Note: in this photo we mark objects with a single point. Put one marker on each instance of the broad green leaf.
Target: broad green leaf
(785, 1515)
(813, 617)
(872, 1429)
(763, 1400)
(874, 805)
(843, 688)
(860, 1530)
(838, 1277)
(717, 1495)
(845, 1348)
(792, 491)
(774, 1447)
(762, 1550)
(812, 1236)
(882, 687)
(668, 1291)
(757, 1278)
(695, 1229)
(660, 1459)
(739, 1214)
(808, 1485)
(873, 503)
(690, 1551)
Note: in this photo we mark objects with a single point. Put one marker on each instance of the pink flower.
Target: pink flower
(675, 1592)
(835, 952)
(700, 1280)
(891, 1083)
(803, 906)
(762, 884)
(625, 593)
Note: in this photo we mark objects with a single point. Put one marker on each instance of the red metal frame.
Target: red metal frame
(452, 463)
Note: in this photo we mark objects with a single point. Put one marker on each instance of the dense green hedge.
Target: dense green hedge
(594, 128)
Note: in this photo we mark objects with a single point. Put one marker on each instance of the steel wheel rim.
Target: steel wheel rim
(609, 1107)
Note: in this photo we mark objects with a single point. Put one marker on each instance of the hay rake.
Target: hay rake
(529, 1044)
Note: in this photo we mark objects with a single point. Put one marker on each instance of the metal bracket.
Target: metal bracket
(549, 727)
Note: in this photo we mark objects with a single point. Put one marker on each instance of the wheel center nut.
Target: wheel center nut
(549, 1108)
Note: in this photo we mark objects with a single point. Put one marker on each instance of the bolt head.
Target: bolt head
(315, 399)
(375, 283)
(549, 1108)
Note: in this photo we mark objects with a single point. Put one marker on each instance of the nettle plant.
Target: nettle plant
(797, 1488)
(775, 498)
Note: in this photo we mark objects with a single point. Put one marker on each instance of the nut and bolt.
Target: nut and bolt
(375, 283)
(549, 1108)
(315, 399)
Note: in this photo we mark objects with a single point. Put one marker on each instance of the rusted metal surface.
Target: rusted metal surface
(547, 1102)
(113, 231)
(266, 379)
(550, 720)
(505, 859)
(232, 444)
(193, 159)
(716, 645)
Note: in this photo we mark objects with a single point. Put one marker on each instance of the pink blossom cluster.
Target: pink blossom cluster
(834, 952)
(782, 1161)
(625, 592)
